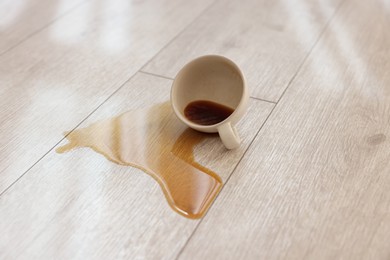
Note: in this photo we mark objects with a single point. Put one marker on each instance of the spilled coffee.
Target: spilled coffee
(154, 141)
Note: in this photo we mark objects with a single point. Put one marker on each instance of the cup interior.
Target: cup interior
(211, 78)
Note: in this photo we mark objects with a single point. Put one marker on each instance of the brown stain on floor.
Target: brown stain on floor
(376, 139)
(156, 142)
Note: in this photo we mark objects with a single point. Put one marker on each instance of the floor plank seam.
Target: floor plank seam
(264, 100)
(43, 27)
(155, 75)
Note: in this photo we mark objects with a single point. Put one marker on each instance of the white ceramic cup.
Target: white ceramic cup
(217, 79)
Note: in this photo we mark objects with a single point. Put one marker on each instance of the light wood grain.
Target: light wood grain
(19, 19)
(267, 39)
(315, 184)
(79, 205)
(56, 78)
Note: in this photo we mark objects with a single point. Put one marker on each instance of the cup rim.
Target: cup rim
(239, 107)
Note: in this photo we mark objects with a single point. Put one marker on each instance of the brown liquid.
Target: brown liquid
(205, 112)
(154, 141)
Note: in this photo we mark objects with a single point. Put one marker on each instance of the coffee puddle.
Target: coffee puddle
(154, 141)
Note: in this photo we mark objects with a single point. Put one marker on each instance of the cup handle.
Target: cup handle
(229, 136)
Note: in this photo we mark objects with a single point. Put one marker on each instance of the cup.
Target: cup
(217, 79)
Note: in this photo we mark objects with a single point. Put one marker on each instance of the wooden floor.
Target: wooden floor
(311, 179)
